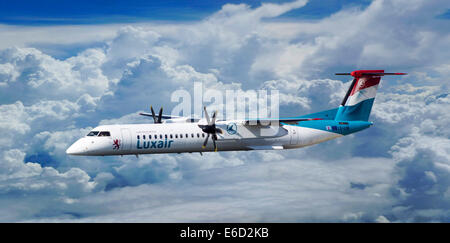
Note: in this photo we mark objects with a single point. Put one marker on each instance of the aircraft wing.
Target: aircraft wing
(268, 121)
(173, 119)
(162, 116)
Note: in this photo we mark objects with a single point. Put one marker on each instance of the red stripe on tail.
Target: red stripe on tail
(365, 82)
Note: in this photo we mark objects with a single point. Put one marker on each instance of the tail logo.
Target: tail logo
(362, 81)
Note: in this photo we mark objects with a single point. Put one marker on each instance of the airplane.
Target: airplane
(187, 135)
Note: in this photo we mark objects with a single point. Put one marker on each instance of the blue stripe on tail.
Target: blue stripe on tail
(358, 112)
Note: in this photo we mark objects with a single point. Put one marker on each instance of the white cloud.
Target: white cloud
(13, 121)
(240, 48)
(271, 191)
(17, 176)
(22, 36)
(382, 219)
(35, 74)
(311, 95)
(7, 74)
(17, 121)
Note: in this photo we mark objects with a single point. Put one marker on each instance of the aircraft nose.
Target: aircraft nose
(76, 149)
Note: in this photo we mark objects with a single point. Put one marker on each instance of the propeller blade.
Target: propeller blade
(206, 115)
(210, 129)
(160, 115)
(214, 138)
(153, 114)
(213, 121)
(206, 141)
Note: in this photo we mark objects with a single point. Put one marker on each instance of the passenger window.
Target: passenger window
(156, 136)
(104, 134)
(203, 135)
(138, 137)
(181, 135)
(192, 135)
(187, 135)
(143, 136)
(198, 135)
(171, 136)
(165, 136)
(160, 136)
(176, 135)
(92, 133)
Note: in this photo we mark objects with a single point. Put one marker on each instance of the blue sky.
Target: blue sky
(68, 67)
(52, 12)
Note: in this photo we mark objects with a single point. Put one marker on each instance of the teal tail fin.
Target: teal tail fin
(358, 101)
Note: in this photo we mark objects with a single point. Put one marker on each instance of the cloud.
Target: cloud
(22, 36)
(8, 74)
(311, 95)
(36, 74)
(353, 37)
(26, 182)
(18, 120)
(393, 172)
(270, 191)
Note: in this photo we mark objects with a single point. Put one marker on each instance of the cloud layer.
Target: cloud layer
(397, 170)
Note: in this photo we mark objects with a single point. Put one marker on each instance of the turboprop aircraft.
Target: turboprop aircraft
(185, 134)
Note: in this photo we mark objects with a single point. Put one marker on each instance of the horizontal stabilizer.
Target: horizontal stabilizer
(360, 73)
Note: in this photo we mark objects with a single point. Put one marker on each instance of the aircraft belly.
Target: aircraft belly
(310, 136)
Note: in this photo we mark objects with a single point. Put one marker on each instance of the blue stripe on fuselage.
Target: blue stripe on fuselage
(340, 127)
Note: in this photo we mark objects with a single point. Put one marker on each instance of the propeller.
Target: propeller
(210, 129)
(157, 119)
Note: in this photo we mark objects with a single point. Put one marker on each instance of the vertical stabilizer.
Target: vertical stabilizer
(358, 101)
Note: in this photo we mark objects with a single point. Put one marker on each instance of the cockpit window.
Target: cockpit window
(93, 133)
(104, 134)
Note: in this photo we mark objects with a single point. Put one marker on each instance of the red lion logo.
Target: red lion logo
(116, 144)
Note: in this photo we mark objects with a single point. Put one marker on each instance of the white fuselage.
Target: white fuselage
(189, 134)
(188, 137)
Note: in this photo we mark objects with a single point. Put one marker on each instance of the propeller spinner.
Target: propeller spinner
(210, 129)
